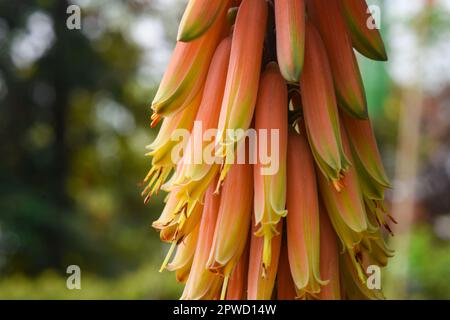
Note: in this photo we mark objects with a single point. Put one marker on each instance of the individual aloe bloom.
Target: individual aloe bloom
(327, 17)
(237, 285)
(175, 224)
(203, 284)
(187, 70)
(378, 254)
(285, 283)
(182, 261)
(303, 237)
(364, 145)
(372, 177)
(261, 279)
(365, 37)
(320, 109)
(290, 30)
(347, 203)
(347, 211)
(193, 169)
(353, 288)
(191, 193)
(233, 222)
(243, 73)
(162, 147)
(270, 187)
(198, 18)
(329, 259)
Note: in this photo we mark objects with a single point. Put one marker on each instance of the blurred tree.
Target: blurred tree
(71, 151)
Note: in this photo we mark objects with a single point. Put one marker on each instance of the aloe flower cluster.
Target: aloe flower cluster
(309, 230)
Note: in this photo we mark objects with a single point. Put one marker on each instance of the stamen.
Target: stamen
(224, 287)
(168, 256)
(267, 255)
(155, 120)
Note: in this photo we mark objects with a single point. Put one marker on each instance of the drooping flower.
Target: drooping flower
(161, 150)
(352, 287)
(303, 237)
(327, 17)
(290, 29)
(261, 279)
(233, 222)
(193, 167)
(365, 35)
(237, 285)
(182, 261)
(320, 109)
(243, 74)
(285, 284)
(367, 161)
(203, 284)
(329, 259)
(187, 70)
(270, 187)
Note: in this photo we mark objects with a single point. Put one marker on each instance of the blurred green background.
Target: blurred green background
(74, 123)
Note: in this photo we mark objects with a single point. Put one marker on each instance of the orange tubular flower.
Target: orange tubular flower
(285, 283)
(270, 189)
(237, 286)
(261, 280)
(329, 259)
(303, 238)
(372, 177)
(198, 18)
(187, 70)
(326, 15)
(347, 203)
(243, 73)
(162, 147)
(348, 214)
(365, 148)
(175, 224)
(353, 288)
(320, 109)
(233, 222)
(290, 29)
(182, 261)
(364, 39)
(192, 171)
(203, 284)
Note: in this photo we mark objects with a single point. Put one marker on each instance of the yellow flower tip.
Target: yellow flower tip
(338, 185)
(223, 174)
(155, 179)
